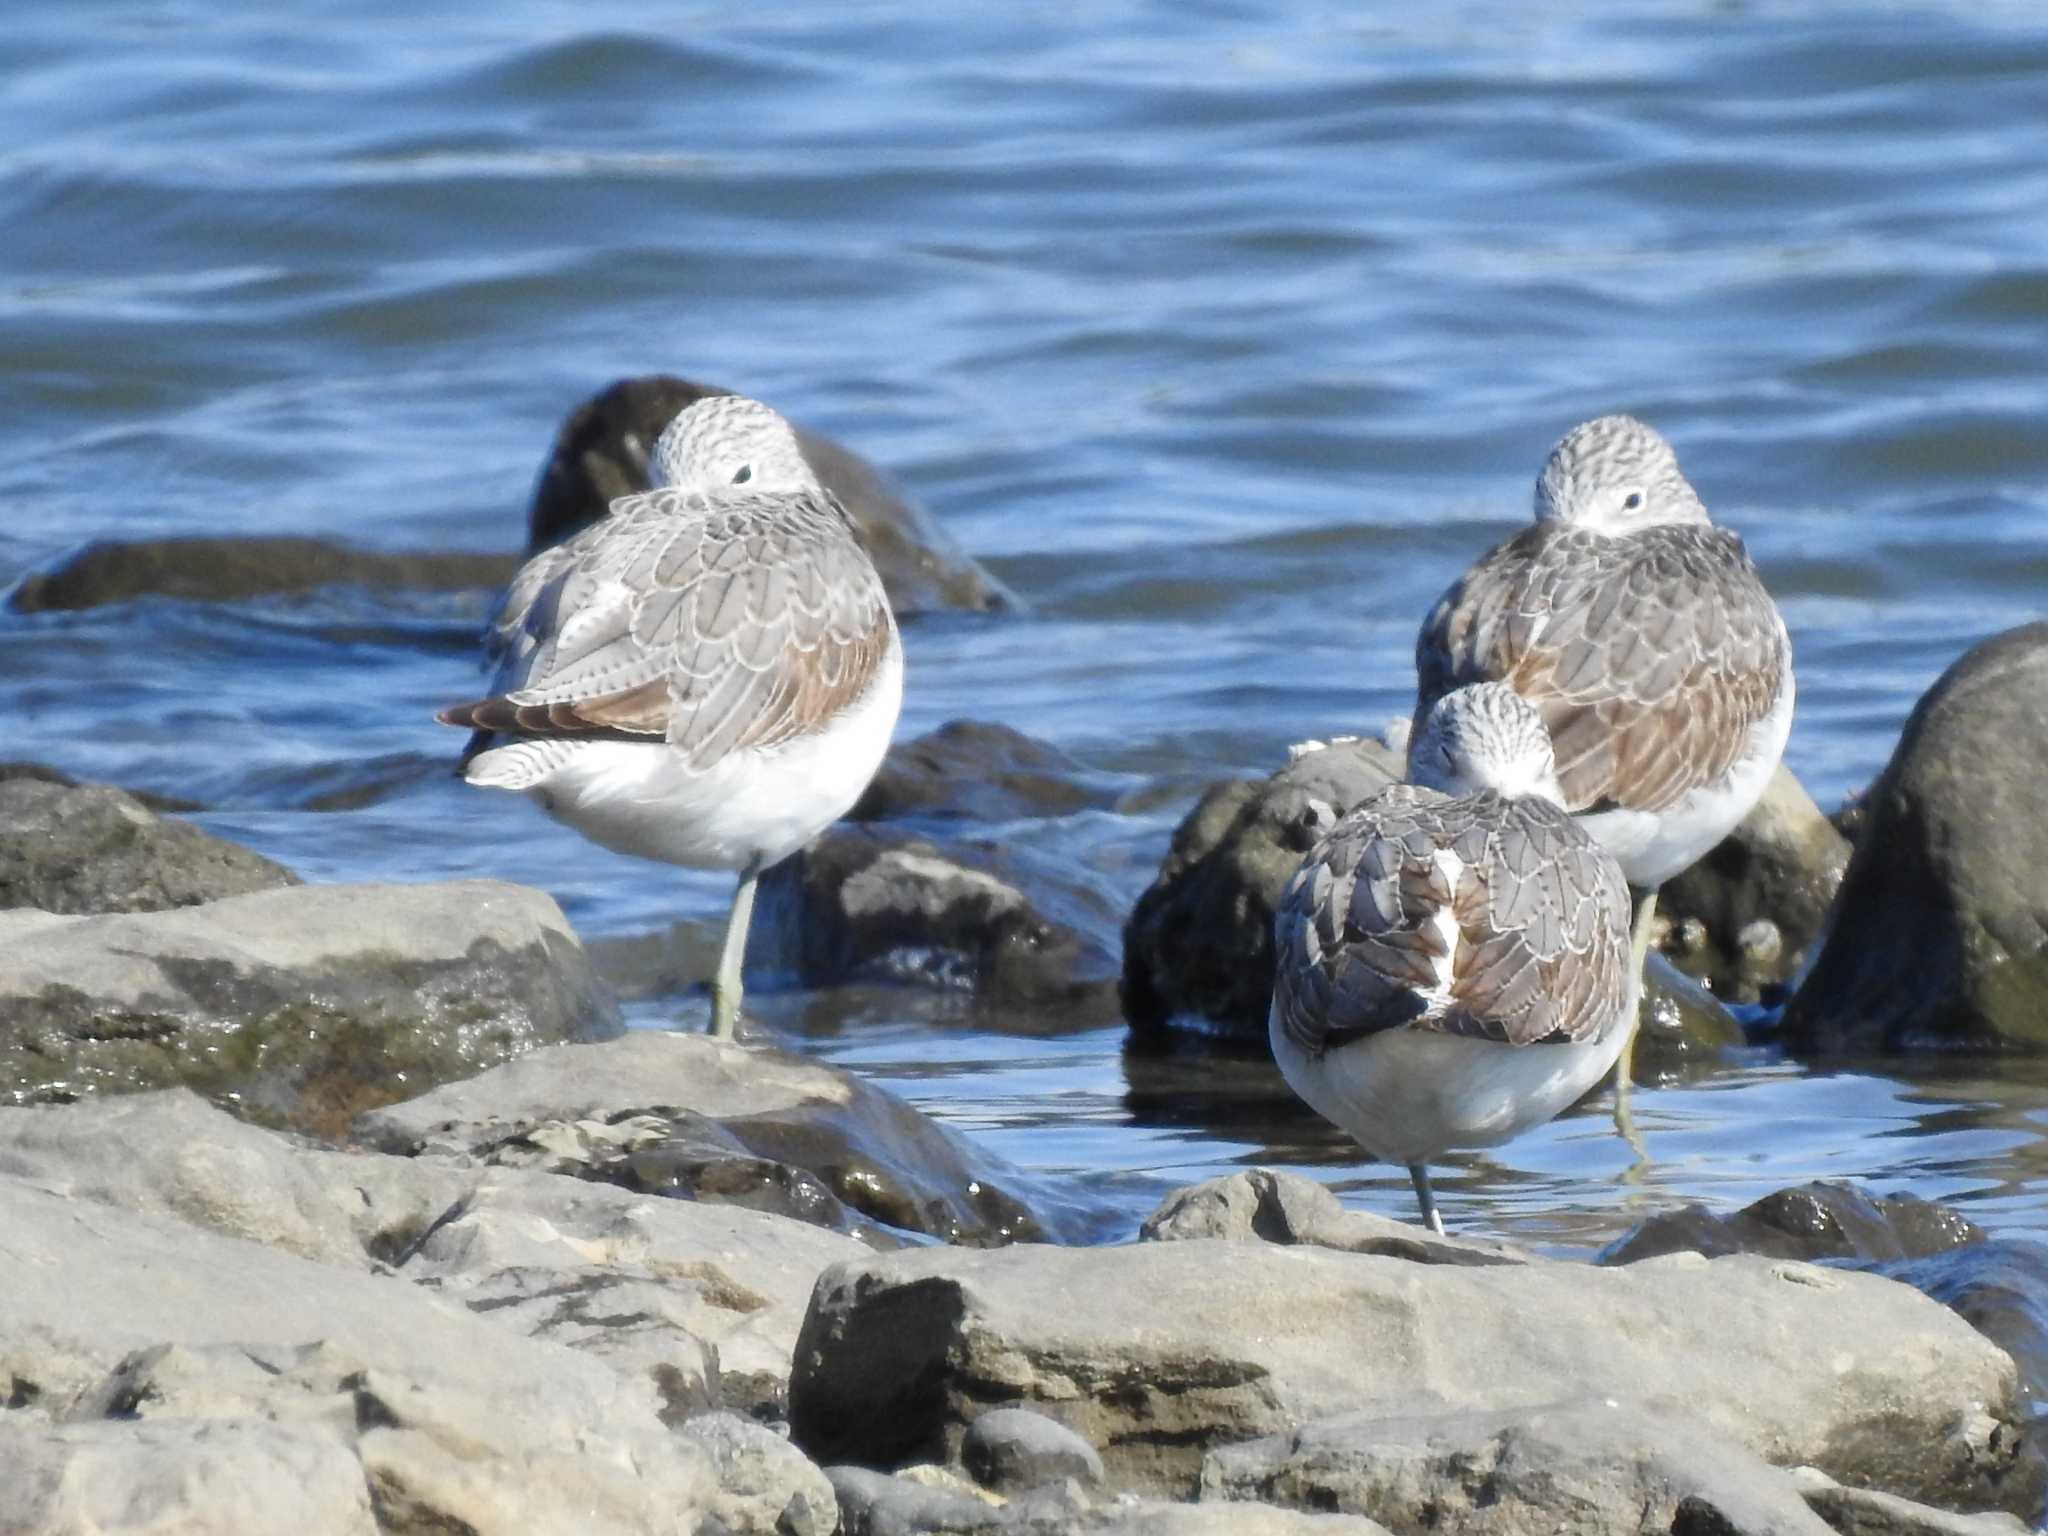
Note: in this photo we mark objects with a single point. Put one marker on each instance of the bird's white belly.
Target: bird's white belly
(641, 798)
(1653, 846)
(1407, 1095)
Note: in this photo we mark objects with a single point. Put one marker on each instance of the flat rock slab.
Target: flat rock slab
(1159, 1352)
(1595, 1467)
(92, 848)
(305, 1004)
(720, 1105)
(117, 1321)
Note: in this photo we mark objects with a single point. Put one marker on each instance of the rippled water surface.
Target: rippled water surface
(1224, 335)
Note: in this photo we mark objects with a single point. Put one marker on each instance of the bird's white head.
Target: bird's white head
(1614, 475)
(724, 442)
(1485, 736)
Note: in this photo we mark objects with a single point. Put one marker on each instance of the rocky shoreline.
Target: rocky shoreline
(356, 1208)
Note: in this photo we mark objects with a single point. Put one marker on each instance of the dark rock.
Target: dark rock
(876, 1504)
(92, 848)
(1198, 948)
(226, 569)
(1592, 1466)
(1814, 1221)
(601, 454)
(873, 1153)
(304, 1005)
(878, 904)
(1744, 918)
(1262, 1205)
(1160, 1352)
(1940, 938)
(43, 773)
(1013, 1449)
(974, 770)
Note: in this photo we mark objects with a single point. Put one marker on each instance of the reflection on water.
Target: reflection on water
(1224, 336)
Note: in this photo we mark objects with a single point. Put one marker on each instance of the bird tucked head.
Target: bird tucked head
(728, 441)
(1486, 736)
(1615, 474)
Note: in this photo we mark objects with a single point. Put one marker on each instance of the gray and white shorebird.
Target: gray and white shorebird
(1647, 641)
(709, 676)
(1453, 956)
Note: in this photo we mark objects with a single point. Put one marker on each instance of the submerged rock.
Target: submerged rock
(230, 568)
(978, 770)
(1815, 1221)
(684, 1096)
(1745, 918)
(601, 453)
(77, 848)
(879, 904)
(1938, 936)
(1161, 1352)
(304, 1004)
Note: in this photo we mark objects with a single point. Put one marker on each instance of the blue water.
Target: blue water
(1224, 335)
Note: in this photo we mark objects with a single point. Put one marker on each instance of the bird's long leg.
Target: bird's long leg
(1624, 1066)
(1432, 1218)
(725, 986)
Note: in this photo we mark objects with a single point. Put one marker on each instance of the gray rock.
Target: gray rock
(1262, 1205)
(1160, 1351)
(1745, 918)
(1150, 1518)
(766, 1486)
(1598, 1467)
(226, 569)
(1860, 1512)
(878, 904)
(1198, 948)
(1938, 935)
(172, 1154)
(601, 454)
(303, 1004)
(1014, 1449)
(877, 1155)
(876, 1504)
(195, 1477)
(1821, 1220)
(979, 770)
(1998, 1286)
(92, 848)
(120, 1318)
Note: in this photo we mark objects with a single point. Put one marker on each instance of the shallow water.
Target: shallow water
(1225, 335)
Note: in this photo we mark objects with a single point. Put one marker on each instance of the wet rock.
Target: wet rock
(1262, 1205)
(873, 1152)
(454, 1423)
(1013, 1449)
(2000, 1287)
(977, 770)
(227, 569)
(304, 1005)
(1822, 1220)
(1160, 1352)
(1745, 917)
(1938, 936)
(766, 1486)
(92, 848)
(877, 904)
(198, 1477)
(1592, 1466)
(601, 454)
(1198, 949)
(1860, 1512)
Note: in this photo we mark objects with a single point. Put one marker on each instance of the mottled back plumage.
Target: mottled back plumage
(708, 615)
(1642, 633)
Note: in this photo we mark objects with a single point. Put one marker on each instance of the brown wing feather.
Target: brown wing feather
(1542, 914)
(1651, 657)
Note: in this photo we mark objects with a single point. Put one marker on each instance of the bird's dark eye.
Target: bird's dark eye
(1632, 502)
(743, 474)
